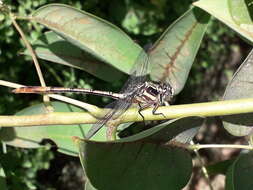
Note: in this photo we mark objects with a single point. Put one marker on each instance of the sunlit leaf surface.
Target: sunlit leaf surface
(54, 48)
(173, 54)
(241, 11)
(233, 16)
(241, 86)
(94, 35)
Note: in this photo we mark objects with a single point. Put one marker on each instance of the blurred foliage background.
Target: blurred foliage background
(221, 52)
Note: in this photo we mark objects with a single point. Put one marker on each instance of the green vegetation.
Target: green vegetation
(220, 53)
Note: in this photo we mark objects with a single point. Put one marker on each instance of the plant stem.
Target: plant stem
(201, 146)
(207, 109)
(203, 168)
(55, 118)
(218, 108)
(29, 47)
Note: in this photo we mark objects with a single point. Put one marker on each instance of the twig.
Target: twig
(54, 118)
(29, 47)
(203, 168)
(201, 146)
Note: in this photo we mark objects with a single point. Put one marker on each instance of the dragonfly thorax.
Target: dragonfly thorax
(151, 93)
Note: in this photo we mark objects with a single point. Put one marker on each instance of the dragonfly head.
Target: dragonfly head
(167, 90)
(156, 92)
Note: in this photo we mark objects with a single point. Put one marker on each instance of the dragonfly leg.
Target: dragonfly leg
(155, 109)
(142, 108)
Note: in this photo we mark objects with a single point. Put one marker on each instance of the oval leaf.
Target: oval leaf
(172, 55)
(220, 167)
(241, 11)
(169, 130)
(241, 86)
(52, 47)
(135, 165)
(92, 34)
(240, 173)
(220, 10)
(88, 186)
(61, 135)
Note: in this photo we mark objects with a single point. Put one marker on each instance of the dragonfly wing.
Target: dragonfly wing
(138, 73)
(138, 76)
(119, 107)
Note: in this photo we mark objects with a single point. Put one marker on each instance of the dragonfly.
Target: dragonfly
(137, 90)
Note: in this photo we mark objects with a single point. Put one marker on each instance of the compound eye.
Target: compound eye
(172, 91)
(169, 91)
(152, 91)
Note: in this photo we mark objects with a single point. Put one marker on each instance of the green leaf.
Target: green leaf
(92, 34)
(241, 86)
(3, 185)
(219, 167)
(61, 135)
(223, 11)
(240, 173)
(169, 130)
(241, 11)
(173, 54)
(135, 165)
(88, 186)
(54, 48)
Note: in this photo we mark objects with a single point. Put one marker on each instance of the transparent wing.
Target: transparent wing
(120, 106)
(138, 73)
(138, 76)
